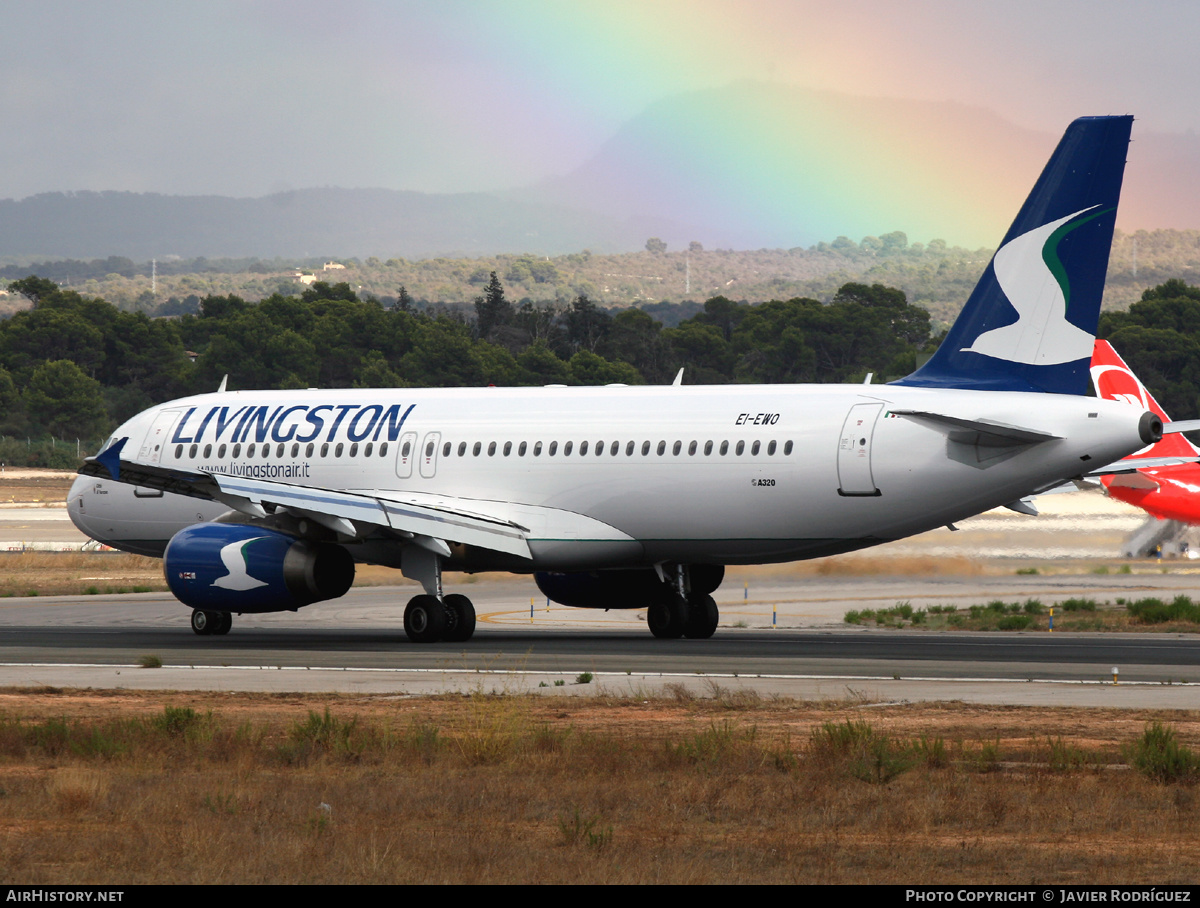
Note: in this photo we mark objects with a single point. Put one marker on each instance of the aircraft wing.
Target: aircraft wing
(446, 520)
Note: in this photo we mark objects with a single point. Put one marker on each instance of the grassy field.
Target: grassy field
(195, 788)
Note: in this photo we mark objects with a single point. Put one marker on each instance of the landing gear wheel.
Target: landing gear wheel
(425, 619)
(224, 623)
(460, 613)
(702, 618)
(666, 618)
(203, 623)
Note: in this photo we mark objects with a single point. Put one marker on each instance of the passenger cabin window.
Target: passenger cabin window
(337, 452)
(629, 449)
(492, 449)
(645, 448)
(207, 451)
(553, 448)
(537, 448)
(583, 448)
(567, 449)
(507, 448)
(724, 448)
(707, 448)
(521, 449)
(354, 449)
(787, 447)
(741, 446)
(476, 449)
(771, 449)
(445, 450)
(462, 449)
(692, 449)
(325, 449)
(616, 446)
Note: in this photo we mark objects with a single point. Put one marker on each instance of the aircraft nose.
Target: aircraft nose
(79, 498)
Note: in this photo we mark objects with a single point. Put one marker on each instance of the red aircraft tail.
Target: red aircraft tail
(1115, 381)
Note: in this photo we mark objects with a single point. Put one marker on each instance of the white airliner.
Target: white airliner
(634, 497)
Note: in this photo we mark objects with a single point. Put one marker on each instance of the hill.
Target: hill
(748, 166)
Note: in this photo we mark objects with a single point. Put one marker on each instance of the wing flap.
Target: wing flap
(449, 524)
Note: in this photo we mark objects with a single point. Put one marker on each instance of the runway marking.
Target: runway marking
(734, 676)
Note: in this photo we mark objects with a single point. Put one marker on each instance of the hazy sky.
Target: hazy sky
(246, 97)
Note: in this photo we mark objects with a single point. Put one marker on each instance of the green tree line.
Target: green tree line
(74, 367)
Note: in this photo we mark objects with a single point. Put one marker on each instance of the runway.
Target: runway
(781, 631)
(357, 644)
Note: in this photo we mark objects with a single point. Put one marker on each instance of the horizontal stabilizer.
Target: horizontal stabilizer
(1134, 481)
(1183, 425)
(1133, 464)
(977, 431)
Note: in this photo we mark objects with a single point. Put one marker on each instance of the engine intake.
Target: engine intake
(237, 568)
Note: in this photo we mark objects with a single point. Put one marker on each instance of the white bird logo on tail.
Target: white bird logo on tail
(234, 559)
(1041, 335)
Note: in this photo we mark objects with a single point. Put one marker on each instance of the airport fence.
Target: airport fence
(48, 452)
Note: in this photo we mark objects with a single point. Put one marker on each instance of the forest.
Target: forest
(73, 366)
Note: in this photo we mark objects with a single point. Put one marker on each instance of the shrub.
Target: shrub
(1155, 611)
(1158, 755)
(1014, 622)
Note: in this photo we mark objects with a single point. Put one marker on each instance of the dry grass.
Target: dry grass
(34, 487)
(78, 573)
(116, 787)
(863, 565)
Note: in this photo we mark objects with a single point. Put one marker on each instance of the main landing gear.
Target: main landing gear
(434, 616)
(674, 616)
(681, 610)
(211, 623)
(450, 619)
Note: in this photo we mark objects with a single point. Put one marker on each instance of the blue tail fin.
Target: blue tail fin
(1031, 321)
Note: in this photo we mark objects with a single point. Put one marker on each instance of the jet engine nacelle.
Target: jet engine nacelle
(620, 589)
(236, 568)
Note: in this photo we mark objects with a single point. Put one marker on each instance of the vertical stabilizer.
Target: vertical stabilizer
(1030, 323)
(1114, 380)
